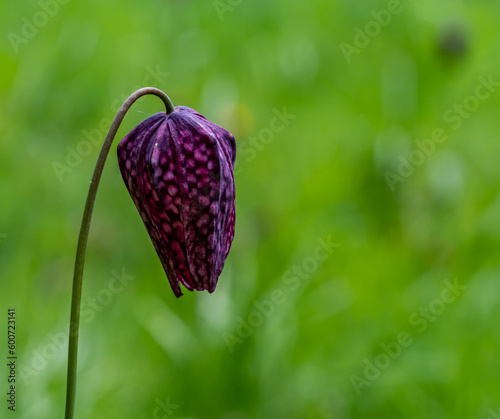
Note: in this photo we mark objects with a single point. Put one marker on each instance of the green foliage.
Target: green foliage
(356, 163)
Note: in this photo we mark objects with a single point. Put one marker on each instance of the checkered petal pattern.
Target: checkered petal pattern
(178, 169)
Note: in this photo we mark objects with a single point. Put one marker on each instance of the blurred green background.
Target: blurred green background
(379, 326)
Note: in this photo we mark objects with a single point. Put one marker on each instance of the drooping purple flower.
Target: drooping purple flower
(178, 169)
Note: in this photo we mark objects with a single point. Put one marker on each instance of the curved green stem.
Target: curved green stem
(82, 240)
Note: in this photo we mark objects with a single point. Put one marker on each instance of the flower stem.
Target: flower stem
(82, 240)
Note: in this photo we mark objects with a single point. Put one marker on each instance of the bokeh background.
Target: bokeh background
(399, 319)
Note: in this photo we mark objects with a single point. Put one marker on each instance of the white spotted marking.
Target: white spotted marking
(172, 190)
(204, 200)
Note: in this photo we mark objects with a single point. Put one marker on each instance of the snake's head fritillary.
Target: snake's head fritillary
(178, 169)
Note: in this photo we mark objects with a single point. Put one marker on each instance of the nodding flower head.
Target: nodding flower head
(178, 169)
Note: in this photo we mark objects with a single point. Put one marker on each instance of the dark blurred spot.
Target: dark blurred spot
(453, 41)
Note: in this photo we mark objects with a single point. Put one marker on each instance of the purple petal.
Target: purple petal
(179, 172)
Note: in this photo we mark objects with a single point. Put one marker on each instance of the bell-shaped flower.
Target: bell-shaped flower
(178, 169)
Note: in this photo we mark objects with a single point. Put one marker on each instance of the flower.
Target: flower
(178, 169)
